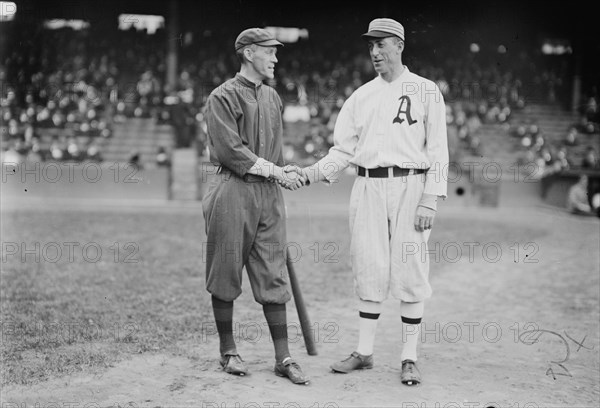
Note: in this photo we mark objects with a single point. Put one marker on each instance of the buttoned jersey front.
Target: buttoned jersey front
(244, 123)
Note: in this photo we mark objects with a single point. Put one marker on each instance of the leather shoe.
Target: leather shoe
(233, 364)
(410, 373)
(356, 361)
(290, 369)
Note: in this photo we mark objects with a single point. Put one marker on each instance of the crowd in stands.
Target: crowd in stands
(577, 149)
(67, 89)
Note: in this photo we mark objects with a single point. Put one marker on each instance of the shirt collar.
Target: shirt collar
(403, 75)
(246, 82)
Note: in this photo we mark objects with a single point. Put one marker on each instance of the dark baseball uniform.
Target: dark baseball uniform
(244, 213)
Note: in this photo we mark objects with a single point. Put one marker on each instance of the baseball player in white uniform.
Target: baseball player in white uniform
(393, 130)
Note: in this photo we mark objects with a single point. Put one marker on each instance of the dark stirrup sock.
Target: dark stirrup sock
(224, 319)
(277, 320)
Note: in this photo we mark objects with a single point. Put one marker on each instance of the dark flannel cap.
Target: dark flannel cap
(256, 36)
(384, 27)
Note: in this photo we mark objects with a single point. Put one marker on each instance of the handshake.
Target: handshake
(290, 177)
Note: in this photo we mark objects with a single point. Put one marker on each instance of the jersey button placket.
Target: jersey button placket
(261, 126)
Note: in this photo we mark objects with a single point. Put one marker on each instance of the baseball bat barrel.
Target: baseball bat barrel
(305, 325)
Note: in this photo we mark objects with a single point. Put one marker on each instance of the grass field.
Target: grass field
(112, 284)
(96, 285)
(76, 307)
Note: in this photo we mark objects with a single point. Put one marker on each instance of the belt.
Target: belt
(254, 178)
(385, 172)
(248, 178)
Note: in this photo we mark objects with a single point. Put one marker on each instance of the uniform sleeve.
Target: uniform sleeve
(436, 139)
(278, 158)
(345, 139)
(224, 135)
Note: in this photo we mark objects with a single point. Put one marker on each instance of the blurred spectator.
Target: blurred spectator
(590, 110)
(11, 155)
(520, 131)
(93, 152)
(201, 136)
(585, 126)
(162, 158)
(539, 141)
(134, 159)
(571, 137)
(577, 200)
(561, 161)
(590, 160)
(56, 151)
(21, 147)
(534, 129)
(179, 116)
(73, 152)
(538, 171)
(35, 153)
(526, 141)
(546, 156)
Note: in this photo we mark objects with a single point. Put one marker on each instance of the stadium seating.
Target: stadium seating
(110, 103)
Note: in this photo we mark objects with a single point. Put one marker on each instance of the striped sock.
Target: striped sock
(411, 329)
(369, 313)
(277, 320)
(223, 312)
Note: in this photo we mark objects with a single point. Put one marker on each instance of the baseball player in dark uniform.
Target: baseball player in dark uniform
(244, 207)
(393, 131)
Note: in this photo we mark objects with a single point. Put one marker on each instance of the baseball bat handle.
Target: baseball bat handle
(309, 340)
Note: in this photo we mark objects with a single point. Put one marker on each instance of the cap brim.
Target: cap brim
(265, 43)
(269, 43)
(378, 34)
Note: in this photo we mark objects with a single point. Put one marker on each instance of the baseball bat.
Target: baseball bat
(309, 340)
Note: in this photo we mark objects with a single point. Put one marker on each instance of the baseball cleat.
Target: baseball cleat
(356, 361)
(291, 370)
(233, 364)
(410, 373)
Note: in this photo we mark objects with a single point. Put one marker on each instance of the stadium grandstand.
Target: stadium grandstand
(127, 81)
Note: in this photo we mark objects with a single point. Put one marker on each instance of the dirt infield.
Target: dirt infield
(513, 321)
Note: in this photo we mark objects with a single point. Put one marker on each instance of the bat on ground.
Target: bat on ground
(305, 325)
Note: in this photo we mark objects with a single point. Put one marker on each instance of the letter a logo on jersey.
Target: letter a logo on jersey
(404, 101)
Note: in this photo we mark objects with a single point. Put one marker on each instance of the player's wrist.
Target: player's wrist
(277, 172)
(424, 206)
(312, 174)
(306, 176)
(428, 201)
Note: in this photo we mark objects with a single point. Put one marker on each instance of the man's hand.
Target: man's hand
(296, 172)
(289, 177)
(424, 218)
(425, 212)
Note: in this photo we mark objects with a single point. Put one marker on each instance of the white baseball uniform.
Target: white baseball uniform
(382, 124)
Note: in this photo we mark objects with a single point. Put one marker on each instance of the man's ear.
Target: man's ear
(249, 54)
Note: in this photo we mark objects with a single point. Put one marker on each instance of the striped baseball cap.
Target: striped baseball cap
(384, 27)
(256, 36)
